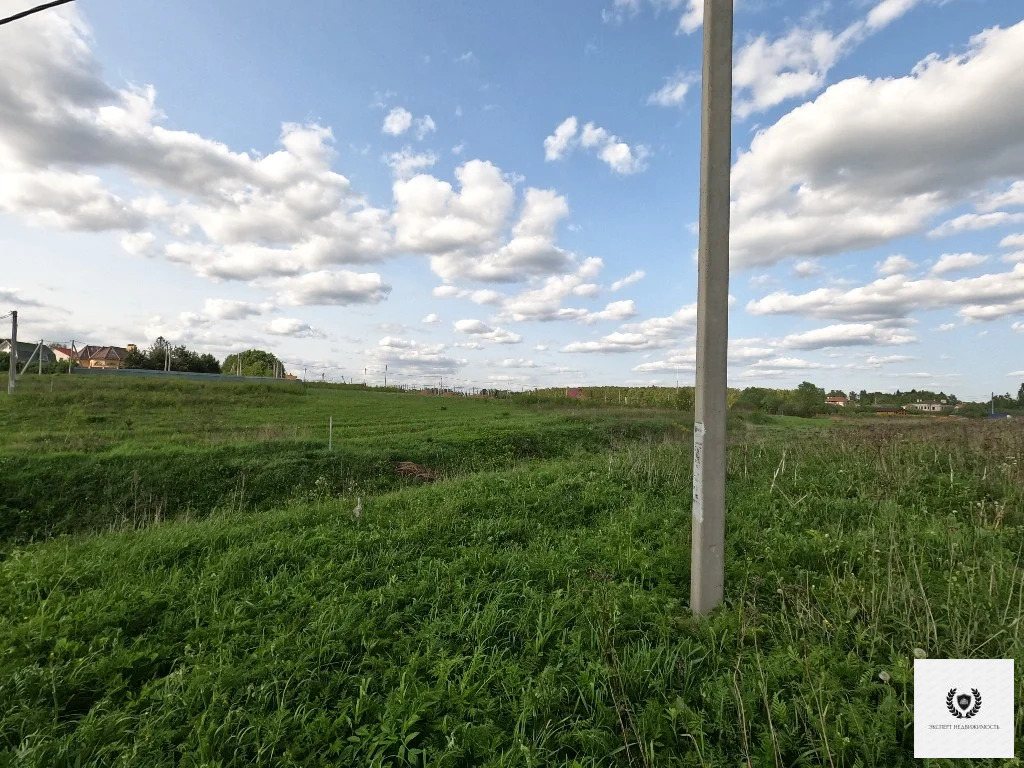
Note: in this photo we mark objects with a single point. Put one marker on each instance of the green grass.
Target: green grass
(97, 453)
(527, 612)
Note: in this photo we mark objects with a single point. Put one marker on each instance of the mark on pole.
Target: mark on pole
(698, 475)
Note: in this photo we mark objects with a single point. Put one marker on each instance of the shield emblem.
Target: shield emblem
(963, 701)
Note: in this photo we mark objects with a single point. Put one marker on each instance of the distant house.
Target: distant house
(574, 392)
(886, 410)
(839, 400)
(63, 353)
(25, 350)
(927, 407)
(103, 357)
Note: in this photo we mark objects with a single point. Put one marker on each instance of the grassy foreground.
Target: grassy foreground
(531, 612)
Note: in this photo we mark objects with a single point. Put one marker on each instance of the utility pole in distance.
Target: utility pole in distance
(12, 358)
(707, 563)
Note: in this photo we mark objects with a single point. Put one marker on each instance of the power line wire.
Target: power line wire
(30, 11)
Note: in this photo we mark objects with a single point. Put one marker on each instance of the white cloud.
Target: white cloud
(693, 17)
(332, 288)
(807, 268)
(139, 243)
(557, 144)
(856, 167)
(945, 327)
(464, 232)
(799, 62)
(481, 330)
(402, 355)
(896, 264)
(954, 262)
(224, 214)
(408, 162)
(616, 310)
(424, 126)
(397, 122)
(431, 319)
(768, 73)
(1012, 241)
(848, 335)
(517, 362)
(878, 360)
(888, 11)
(629, 279)
(615, 153)
(230, 309)
(897, 296)
(673, 92)
(972, 222)
(1013, 197)
(290, 326)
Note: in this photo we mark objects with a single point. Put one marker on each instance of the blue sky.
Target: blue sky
(507, 193)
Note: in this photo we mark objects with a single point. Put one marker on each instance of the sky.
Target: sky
(506, 194)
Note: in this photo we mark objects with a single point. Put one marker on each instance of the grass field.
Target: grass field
(526, 609)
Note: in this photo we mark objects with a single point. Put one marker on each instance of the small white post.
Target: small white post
(12, 359)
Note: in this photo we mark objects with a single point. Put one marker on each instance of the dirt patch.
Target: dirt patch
(412, 469)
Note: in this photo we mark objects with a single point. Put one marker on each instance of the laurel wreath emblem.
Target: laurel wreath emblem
(957, 713)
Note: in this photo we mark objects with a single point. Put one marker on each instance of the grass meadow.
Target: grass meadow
(182, 582)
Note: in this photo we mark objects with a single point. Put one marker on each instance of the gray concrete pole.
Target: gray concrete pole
(707, 568)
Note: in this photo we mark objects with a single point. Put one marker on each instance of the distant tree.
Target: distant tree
(5, 361)
(182, 358)
(810, 398)
(1020, 396)
(255, 362)
(863, 397)
(136, 359)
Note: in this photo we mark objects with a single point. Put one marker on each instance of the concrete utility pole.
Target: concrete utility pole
(707, 566)
(12, 359)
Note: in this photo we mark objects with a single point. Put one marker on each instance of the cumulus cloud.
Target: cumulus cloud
(691, 20)
(231, 309)
(629, 279)
(397, 122)
(984, 297)
(424, 126)
(856, 167)
(407, 162)
(896, 264)
(481, 330)
(767, 73)
(971, 222)
(403, 355)
(673, 92)
(1012, 241)
(337, 288)
(466, 232)
(615, 153)
(290, 326)
(955, 262)
(848, 335)
(1010, 198)
(807, 268)
(431, 319)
